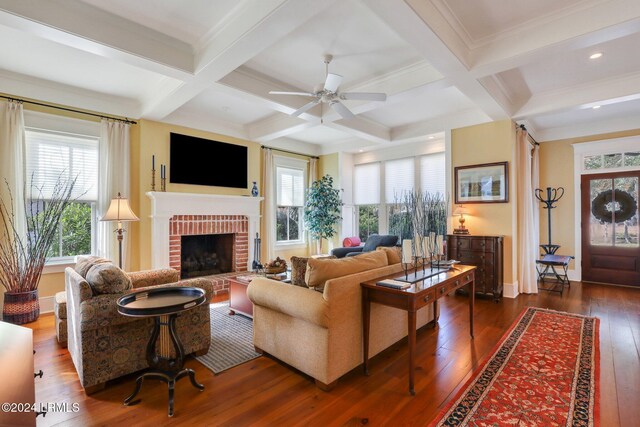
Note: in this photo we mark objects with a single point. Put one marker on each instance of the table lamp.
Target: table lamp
(461, 210)
(120, 211)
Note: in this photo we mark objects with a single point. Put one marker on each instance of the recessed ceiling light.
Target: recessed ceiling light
(431, 137)
(595, 107)
(360, 150)
(596, 55)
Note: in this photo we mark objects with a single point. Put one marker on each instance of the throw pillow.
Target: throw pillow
(394, 253)
(84, 264)
(376, 240)
(107, 278)
(298, 270)
(350, 242)
(322, 269)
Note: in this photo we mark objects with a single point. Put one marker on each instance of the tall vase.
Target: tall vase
(21, 307)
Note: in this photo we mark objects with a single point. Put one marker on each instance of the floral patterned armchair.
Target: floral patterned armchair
(105, 344)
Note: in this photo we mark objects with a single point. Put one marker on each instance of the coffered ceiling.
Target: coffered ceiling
(210, 64)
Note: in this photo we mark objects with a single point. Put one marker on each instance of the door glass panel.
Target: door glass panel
(600, 226)
(626, 213)
(592, 162)
(632, 159)
(613, 160)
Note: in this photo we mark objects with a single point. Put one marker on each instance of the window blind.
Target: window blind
(366, 184)
(399, 177)
(432, 173)
(53, 156)
(290, 187)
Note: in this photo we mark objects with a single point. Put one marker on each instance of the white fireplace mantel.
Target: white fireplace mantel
(165, 205)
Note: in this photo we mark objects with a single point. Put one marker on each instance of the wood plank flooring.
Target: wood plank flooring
(265, 392)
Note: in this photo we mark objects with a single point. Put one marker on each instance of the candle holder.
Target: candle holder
(163, 184)
(153, 179)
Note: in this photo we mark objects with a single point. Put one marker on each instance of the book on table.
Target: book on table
(393, 284)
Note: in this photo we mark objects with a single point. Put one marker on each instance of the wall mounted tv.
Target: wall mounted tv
(200, 161)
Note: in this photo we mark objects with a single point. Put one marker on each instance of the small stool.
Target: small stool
(547, 267)
(60, 311)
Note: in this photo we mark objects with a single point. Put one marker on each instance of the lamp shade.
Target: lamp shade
(460, 210)
(119, 210)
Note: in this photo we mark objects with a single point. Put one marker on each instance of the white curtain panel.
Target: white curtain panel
(269, 214)
(528, 237)
(312, 176)
(114, 177)
(12, 161)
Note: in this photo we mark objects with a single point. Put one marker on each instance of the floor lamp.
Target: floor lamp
(119, 211)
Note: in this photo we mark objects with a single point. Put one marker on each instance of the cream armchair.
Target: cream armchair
(105, 344)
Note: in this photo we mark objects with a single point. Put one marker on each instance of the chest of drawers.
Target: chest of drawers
(484, 252)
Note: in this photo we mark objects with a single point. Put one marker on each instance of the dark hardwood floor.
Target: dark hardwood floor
(267, 392)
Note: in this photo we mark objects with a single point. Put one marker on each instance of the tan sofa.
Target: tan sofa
(321, 333)
(105, 344)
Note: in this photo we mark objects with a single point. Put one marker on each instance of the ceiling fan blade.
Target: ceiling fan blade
(364, 96)
(305, 107)
(333, 82)
(344, 112)
(277, 92)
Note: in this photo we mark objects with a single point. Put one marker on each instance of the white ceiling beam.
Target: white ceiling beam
(612, 90)
(277, 126)
(264, 23)
(411, 19)
(584, 27)
(418, 131)
(362, 128)
(594, 127)
(257, 84)
(59, 93)
(85, 27)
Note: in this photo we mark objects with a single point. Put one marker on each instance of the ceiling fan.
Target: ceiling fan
(329, 94)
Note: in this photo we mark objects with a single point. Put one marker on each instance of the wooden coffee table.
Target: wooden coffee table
(421, 293)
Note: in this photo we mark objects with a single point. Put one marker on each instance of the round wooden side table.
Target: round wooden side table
(163, 304)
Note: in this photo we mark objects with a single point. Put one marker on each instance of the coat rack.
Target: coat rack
(553, 195)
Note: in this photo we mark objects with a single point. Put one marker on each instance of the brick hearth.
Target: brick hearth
(189, 225)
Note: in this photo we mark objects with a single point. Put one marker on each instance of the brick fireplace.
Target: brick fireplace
(194, 225)
(174, 215)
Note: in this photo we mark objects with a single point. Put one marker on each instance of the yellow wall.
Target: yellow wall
(556, 170)
(488, 143)
(153, 138)
(330, 165)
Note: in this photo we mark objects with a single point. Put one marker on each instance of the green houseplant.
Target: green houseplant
(23, 252)
(322, 210)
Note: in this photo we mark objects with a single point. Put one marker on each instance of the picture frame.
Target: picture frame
(483, 183)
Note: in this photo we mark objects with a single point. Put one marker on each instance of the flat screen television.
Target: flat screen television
(200, 161)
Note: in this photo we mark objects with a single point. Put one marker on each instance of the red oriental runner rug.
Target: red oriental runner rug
(545, 371)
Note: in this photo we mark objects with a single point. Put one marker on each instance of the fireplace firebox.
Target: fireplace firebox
(206, 254)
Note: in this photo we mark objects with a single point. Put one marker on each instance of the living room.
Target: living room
(218, 118)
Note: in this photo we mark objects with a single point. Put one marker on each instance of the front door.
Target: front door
(610, 246)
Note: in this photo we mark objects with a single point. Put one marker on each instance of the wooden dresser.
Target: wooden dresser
(485, 252)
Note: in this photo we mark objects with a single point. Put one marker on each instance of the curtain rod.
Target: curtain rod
(102, 116)
(528, 134)
(290, 152)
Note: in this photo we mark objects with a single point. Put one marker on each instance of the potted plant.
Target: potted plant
(23, 252)
(322, 210)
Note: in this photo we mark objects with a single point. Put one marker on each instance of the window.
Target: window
(50, 156)
(290, 204)
(432, 173)
(399, 178)
(367, 198)
(378, 196)
(621, 160)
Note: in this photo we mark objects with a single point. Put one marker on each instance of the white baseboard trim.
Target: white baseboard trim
(46, 304)
(510, 290)
(574, 276)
